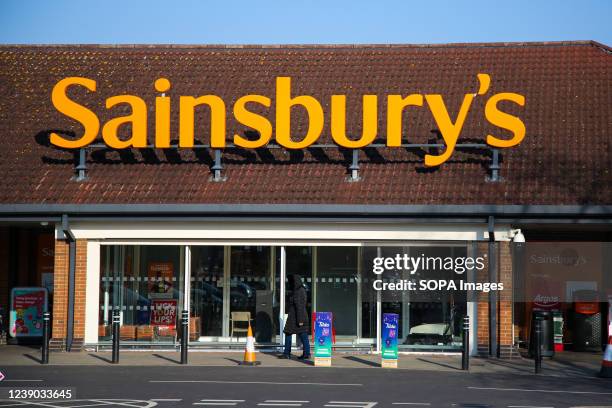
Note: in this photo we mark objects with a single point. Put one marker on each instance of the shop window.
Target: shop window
(428, 320)
(145, 283)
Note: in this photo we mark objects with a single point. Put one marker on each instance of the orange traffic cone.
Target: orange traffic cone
(249, 351)
(606, 364)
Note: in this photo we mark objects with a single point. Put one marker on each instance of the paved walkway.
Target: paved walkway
(563, 364)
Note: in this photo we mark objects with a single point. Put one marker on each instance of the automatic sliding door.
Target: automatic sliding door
(207, 278)
(337, 291)
(252, 292)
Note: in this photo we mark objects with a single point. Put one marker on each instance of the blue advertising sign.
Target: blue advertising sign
(390, 325)
(323, 334)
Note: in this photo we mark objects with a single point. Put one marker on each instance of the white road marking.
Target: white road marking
(526, 406)
(83, 403)
(166, 399)
(351, 404)
(282, 403)
(83, 406)
(548, 391)
(126, 403)
(218, 402)
(253, 382)
(411, 403)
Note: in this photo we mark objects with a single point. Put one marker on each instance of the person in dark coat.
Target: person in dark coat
(297, 319)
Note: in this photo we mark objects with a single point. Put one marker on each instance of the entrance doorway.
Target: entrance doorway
(27, 255)
(232, 287)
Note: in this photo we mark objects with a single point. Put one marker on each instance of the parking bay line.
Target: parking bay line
(254, 382)
(534, 390)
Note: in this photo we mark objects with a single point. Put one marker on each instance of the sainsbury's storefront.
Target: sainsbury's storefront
(154, 204)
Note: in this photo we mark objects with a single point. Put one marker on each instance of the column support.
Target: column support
(283, 274)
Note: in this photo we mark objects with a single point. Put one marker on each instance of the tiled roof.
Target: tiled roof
(565, 158)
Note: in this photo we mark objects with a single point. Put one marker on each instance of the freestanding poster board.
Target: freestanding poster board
(389, 340)
(323, 339)
(27, 307)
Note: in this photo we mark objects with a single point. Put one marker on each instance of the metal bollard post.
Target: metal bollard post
(115, 328)
(538, 345)
(184, 335)
(465, 356)
(45, 337)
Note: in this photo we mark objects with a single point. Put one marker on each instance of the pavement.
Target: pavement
(566, 364)
(155, 379)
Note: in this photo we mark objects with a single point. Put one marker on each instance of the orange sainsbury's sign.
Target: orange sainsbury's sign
(450, 128)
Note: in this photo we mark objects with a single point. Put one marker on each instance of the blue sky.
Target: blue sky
(271, 22)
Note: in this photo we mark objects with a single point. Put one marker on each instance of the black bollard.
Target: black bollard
(45, 337)
(116, 334)
(184, 335)
(465, 356)
(538, 345)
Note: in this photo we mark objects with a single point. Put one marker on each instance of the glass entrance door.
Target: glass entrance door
(337, 287)
(252, 292)
(207, 291)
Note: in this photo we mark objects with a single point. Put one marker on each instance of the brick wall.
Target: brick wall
(483, 304)
(80, 292)
(60, 298)
(505, 318)
(4, 279)
(505, 341)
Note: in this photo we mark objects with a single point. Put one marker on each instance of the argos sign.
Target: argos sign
(450, 128)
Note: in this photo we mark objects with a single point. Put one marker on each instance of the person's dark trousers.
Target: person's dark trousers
(305, 343)
(287, 350)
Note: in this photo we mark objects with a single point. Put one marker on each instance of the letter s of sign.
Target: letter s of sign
(253, 120)
(505, 120)
(73, 110)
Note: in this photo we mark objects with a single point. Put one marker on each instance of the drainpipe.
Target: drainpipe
(69, 236)
(493, 351)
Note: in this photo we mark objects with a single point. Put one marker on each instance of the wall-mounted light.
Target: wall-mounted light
(517, 236)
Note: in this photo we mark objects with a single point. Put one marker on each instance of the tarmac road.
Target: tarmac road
(303, 387)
